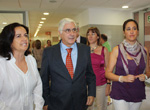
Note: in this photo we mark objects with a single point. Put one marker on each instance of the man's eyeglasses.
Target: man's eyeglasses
(69, 30)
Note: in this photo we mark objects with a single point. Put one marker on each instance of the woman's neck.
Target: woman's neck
(131, 42)
(19, 57)
(93, 45)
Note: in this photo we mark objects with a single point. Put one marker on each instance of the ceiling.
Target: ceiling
(61, 9)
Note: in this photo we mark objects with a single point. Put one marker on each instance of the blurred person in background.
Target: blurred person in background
(32, 48)
(20, 83)
(49, 43)
(80, 39)
(104, 42)
(38, 52)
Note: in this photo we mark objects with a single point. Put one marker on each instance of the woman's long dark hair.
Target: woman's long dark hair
(6, 39)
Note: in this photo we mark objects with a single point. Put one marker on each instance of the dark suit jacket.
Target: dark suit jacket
(83, 40)
(66, 93)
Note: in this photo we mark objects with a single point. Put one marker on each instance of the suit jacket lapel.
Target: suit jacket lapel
(58, 60)
(79, 60)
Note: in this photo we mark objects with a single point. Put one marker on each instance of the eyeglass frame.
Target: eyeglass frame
(69, 30)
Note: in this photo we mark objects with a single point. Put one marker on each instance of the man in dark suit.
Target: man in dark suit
(80, 39)
(67, 92)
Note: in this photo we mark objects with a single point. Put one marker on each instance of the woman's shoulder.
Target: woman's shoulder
(30, 57)
(115, 51)
(2, 59)
(146, 49)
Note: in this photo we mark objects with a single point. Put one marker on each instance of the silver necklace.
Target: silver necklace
(92, 49)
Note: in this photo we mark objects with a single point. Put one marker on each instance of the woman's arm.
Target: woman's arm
(147, 64)
(38, 99)
(106, 54)
(37, 91)
(112, 63)
(2, 103)
(146, 75)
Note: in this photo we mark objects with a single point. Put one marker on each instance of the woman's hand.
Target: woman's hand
(45, 107)
(128, 78)
(141, 77)
(107, 91)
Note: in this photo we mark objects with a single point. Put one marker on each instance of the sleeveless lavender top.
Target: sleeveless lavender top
(130, 92)
(98, 64)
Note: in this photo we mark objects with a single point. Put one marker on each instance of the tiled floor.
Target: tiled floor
(145, 105)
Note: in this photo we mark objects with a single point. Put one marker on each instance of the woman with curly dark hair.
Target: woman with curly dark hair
(20, 83)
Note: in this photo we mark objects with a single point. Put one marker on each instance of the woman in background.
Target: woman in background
(99, 58)
(49, 43)
(131, 61)
(32, 48)
(20, 83)
(38, 52)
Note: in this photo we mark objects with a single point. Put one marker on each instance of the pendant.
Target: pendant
(92, 49)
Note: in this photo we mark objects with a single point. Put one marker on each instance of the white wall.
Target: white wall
(108, 17)
(103, 16)
(82, 18)
(147, 37)
(108, 21)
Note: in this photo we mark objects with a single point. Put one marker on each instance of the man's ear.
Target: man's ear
(59, 32)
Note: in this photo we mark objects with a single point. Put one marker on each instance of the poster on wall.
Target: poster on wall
(148, 18)
(147, 29)
(147, 34)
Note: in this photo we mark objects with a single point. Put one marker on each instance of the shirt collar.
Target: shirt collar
(12, 59)
(78, 39)
(64, 47)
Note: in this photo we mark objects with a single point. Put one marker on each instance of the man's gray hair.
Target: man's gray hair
(65, 21)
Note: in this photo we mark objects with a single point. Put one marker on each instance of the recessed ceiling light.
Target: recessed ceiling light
(41, 21)
(43, 18)
(46, 13)
(52, 1)
(4, 23)
(36, 32)
(125, 6)
(40, 24)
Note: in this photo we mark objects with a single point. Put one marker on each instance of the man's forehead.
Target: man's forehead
(69, 25)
